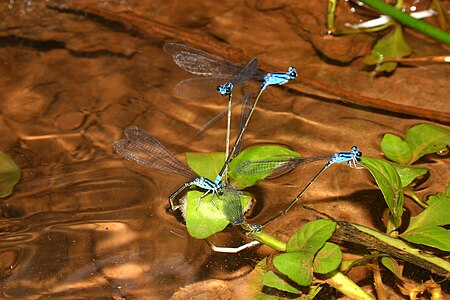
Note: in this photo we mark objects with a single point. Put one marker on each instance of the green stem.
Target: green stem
(346, 286)
(410, 193)
(331, 14)
(269, 240)
(409, 21)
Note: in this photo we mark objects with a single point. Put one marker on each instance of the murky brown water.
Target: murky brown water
(84, 223)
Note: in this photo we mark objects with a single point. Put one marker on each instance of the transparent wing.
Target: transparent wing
(246, 72)
(198, 62)
(275, 167)
(147, 151)
(233, 206)
(199, 88)
(246, 105)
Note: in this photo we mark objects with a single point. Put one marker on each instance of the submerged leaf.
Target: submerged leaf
(389, 183)
(252, 154)
(9, 175)
(392, 46)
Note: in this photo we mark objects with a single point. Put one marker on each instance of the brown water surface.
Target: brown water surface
(83, 223)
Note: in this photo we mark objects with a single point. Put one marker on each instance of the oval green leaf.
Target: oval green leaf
(206, 164)
(396, 149)
(9, 175)
(297, 266)
(311, 237)
(208, 219)
(327, 259)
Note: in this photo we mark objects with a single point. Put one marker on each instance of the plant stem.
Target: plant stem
(269, 240)
(409, 21)
(343, 284)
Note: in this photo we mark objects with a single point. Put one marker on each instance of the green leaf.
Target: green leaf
(420, 140)
(396, 149)
(424, 228)
(426, 138)
(433, 236)
(392, 265)
(409, 173)
(206, 164)
(252, 154)
(297, 266)
(9, 175)
(389, 183)
(327, 259)
(208, 219)
(311, 237)
(392, 46)
(272, 280)
(437, 213)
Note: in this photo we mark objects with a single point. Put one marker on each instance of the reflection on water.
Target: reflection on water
(83, 223)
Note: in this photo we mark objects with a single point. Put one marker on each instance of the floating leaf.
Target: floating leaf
(420, 140)
(392, 46)
(396, 149)
(311, 237)
(208, 219)
(9, 175)
(389, 183)
(425, 227)
(297, 266)
(252, 154)
(206, 164)
(272, 280)
(426, 138)
(327, 259)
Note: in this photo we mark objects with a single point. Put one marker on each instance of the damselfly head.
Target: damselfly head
(292, 72)
(356, 152)
(225, 89)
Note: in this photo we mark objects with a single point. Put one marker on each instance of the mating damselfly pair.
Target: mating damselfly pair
(145, 150)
